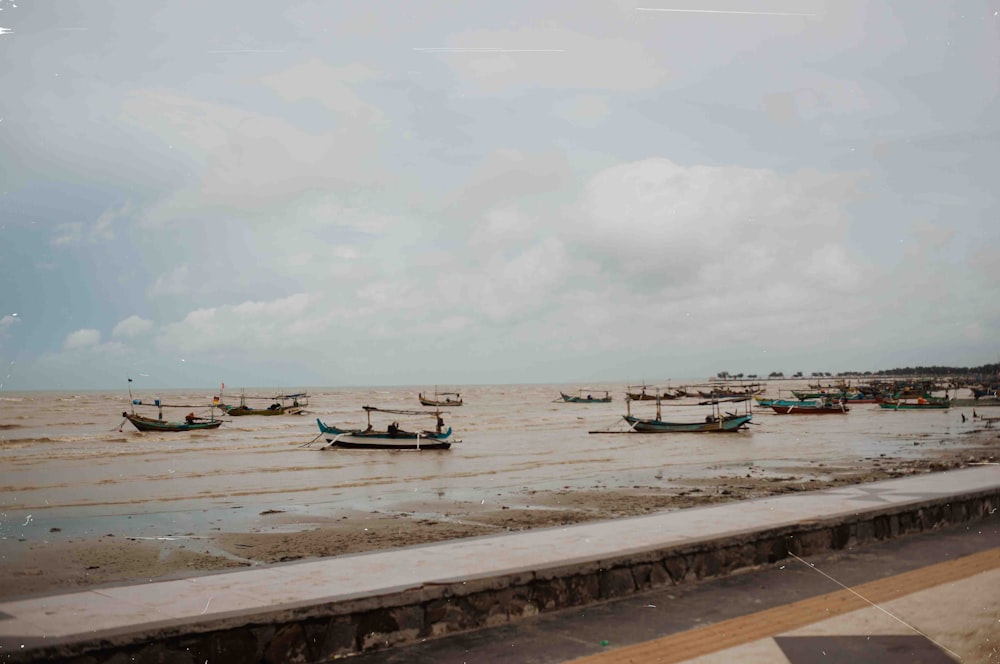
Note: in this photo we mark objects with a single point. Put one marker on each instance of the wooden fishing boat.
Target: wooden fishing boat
(441, 399)
(849, 397)
(149, 424)
(393, 437)
(980, 392)
(921, 403)
(724, 424)
(282, 404)
(726, 390)
(850, 401)
(806, 395)
(191, 422)
(639, 393)
(767, 403)
(589, 398)
(715, 421)
(815, 408)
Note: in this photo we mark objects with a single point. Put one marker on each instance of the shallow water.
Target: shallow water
(65, 463)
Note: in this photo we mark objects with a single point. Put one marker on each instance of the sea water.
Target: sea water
(68, 460)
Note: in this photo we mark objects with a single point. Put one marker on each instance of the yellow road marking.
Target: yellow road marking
(746, 629)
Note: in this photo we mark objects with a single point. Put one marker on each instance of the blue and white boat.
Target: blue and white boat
(393, 437)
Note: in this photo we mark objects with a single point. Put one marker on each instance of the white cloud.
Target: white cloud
(330, 86)
(178, 281)
(102, 229)
(502, 227)
(584, 62)
(658, 217)
(583, 110)
(506, 288)
(131, 327)
(240, 152)
(82, 339)
(507, 176)
(67, 235)
(278, 325)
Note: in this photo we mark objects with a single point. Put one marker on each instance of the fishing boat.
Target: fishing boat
(828, 407)
(587, 396)
(281, 404)
(191, 422)
(980, 392)
(920, 403)
(441, 399)
(393, 437)
(861, 399)
(188, 424)
(850, 397)
(725, 390)
(806, 395)
(767, 403)
(639, 393)
(715, 421)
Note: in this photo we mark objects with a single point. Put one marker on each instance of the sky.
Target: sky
(439, 193)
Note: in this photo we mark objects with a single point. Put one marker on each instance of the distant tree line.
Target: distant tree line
(986, 370)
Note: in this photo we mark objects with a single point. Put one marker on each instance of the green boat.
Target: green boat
(921, 403)
(603, 397)
(189, 424)
(715, 421)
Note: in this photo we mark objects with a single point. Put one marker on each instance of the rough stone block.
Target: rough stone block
(288, 646)
(616, 583)
(676, 567)
(332, 638)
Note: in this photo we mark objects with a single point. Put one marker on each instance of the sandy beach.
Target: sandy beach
(65, 562)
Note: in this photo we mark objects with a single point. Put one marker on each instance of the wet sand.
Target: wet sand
(65, 562)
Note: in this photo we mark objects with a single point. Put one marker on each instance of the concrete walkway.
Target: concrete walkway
(946, 612)
(925, 598)
(317, 609)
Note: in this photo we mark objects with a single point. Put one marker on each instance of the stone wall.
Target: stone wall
(321, 632)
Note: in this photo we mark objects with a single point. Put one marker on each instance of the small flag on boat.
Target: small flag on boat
(223, 386)
(130, 380)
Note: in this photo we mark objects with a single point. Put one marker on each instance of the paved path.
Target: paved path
(927, 598)
(232, 596)
(940, 613)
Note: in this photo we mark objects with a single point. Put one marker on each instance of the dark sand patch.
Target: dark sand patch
(277, 536)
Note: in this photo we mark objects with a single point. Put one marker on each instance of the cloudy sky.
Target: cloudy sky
(435, 192)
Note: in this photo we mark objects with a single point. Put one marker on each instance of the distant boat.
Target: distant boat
(804, 395)
(282, 404)
(589, 398)
(441, 399)
(642, 395)
(724, 390)
(767, 403)
(847, 397)
(920, 403)
(191, 422)
(980, 392)
(814, 408)
(393, 437)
